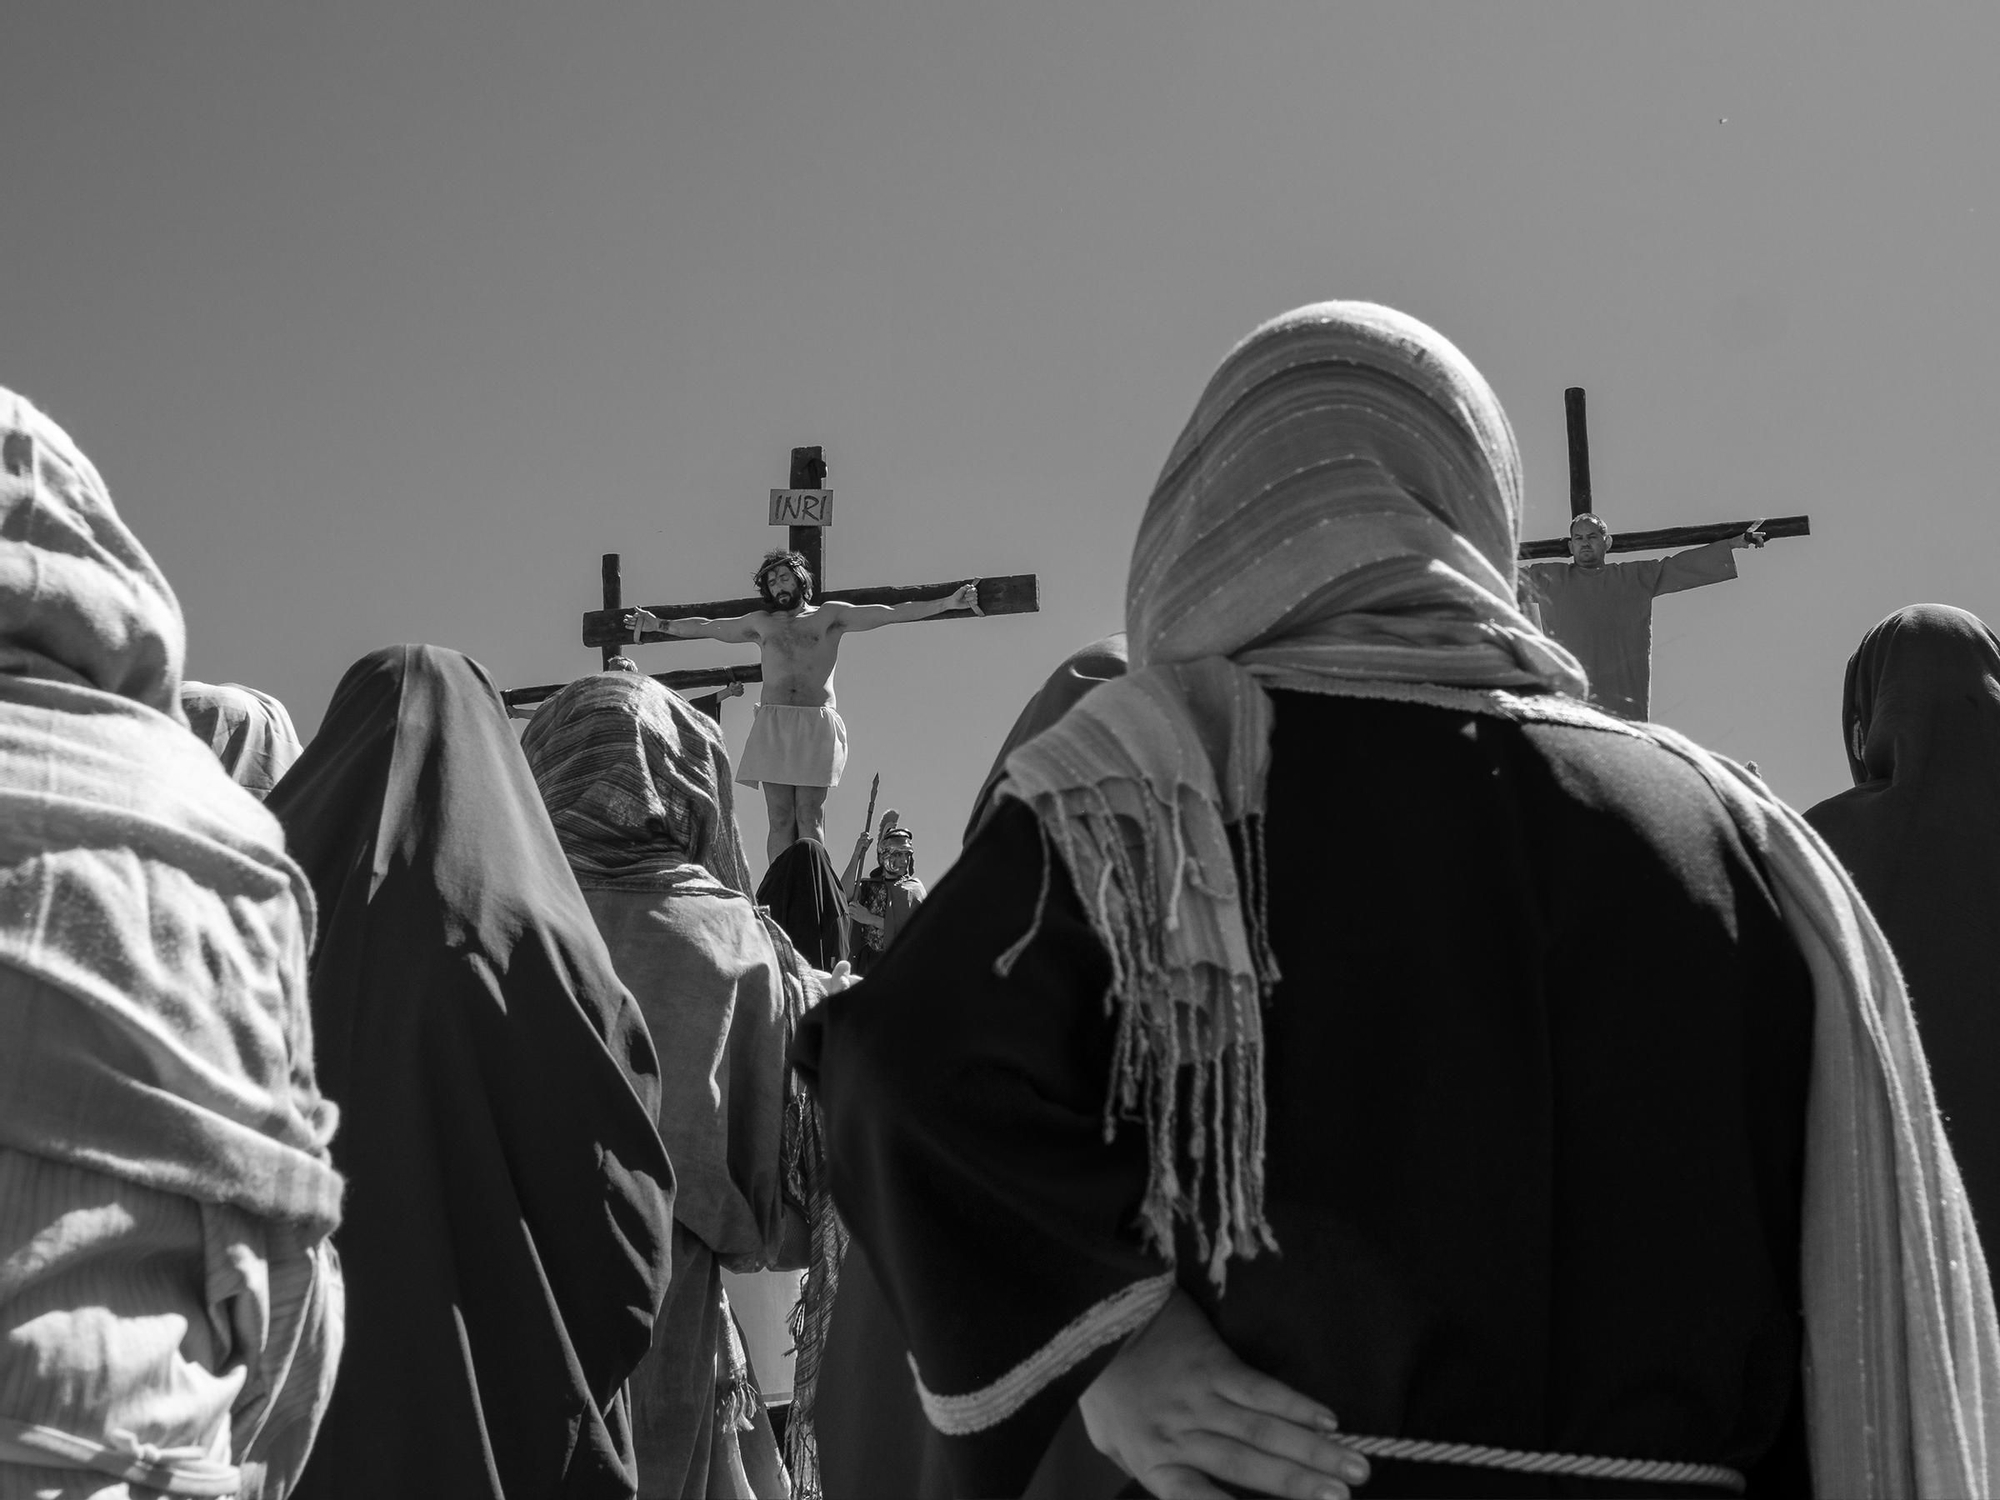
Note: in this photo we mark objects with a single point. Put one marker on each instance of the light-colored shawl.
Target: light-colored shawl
(636, 780)
(250, 732)
(1340, 515)
(153, 935)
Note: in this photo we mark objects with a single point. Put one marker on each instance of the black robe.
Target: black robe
(802, 889)
(509, 1203)
(1920, 833)
(1536, 1073)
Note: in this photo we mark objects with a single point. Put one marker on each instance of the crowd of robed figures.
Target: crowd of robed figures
(1330, 1013)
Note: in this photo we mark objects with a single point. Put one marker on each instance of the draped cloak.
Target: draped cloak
(170, 1305)
(874, 1439)
(1920, 833)
(507, 1232)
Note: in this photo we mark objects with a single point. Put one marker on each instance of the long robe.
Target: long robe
(873, 1437)
(1536, 1073)
(507, 1229)
(707, 977)
(1605, 616)
(1920, 833)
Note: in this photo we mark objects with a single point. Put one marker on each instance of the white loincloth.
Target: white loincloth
(793, 745)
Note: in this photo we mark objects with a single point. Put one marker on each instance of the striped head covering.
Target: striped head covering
(1340, 514)
(636, 781)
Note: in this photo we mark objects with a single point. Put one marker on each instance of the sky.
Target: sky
(383, 322)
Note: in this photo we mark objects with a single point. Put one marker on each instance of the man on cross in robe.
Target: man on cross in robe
(798, 745)
(1603, 611)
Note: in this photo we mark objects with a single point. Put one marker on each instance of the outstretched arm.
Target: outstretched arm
(737, 628)
(1714, 563)
(875, 616)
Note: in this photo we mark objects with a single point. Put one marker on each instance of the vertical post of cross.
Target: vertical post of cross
(809, 473)
(614, 598)
(1579, 451)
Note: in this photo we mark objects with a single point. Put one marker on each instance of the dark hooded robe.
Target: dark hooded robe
(802, 891)
(509, 1204)
(1920, 832)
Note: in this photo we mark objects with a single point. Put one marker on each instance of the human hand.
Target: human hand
(1178, 1411)
(639, 621)
(843, 977)
(733, 690)
(967, 597)
(1753, 535)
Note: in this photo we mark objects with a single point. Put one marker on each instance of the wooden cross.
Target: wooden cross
(1015, 594)
(1638, 541)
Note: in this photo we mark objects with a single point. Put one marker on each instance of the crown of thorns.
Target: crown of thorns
(796, 561)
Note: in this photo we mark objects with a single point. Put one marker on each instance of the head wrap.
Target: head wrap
(636, 780)
(250, 732)
(1342, 507)
(1339, 516)
(153, 935)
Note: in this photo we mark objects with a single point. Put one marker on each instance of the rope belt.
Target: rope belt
(1477, 1456)
(174, 1471)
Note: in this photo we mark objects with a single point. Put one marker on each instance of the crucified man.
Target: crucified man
(797, 745)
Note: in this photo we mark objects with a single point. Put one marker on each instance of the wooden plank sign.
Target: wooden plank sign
(801, 507)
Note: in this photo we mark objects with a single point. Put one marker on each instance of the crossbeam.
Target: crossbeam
(1014, 594)
(1673, 536)
(681, 682)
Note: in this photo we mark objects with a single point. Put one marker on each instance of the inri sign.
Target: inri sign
(801, 507)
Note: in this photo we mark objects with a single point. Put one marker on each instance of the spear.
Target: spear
(873, 787)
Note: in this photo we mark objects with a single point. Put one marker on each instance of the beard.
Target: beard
(782, 603)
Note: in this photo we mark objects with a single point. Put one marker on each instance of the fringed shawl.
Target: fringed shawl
(1340, 515)
(1343, 505)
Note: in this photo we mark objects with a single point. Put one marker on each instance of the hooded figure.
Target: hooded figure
(507, 1231)
(1557, 1057)
(250, 732)
(802, 891)
(170, 1302)
(1920, 833)
(637, 784)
